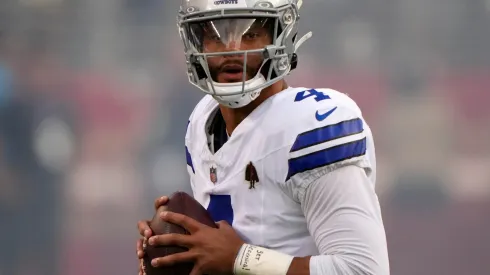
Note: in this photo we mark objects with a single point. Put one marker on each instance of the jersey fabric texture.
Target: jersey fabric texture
(258, 177)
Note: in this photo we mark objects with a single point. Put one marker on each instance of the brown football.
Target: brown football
(182, 203)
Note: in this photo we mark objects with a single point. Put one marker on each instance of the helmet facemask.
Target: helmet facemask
(234, 55)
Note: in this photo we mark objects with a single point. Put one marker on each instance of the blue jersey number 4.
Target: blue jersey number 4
(319, 96)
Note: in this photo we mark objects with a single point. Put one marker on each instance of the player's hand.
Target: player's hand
(145, 232)
(213, 250)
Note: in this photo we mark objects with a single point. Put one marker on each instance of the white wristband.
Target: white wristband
(256, 260)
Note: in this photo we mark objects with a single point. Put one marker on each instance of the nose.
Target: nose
(232, 46)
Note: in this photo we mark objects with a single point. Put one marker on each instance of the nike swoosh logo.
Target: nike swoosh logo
(321, 117)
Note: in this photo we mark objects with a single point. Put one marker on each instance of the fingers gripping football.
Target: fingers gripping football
(144, 225)
(172, 239)
(212, 250)
(145, 231)
(171, 230)
(189, 224)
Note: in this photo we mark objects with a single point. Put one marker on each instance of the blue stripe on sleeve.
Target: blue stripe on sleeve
(189, 159)
(326, 157)
(327, 133)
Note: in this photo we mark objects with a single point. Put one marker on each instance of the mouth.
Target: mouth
(231, 73)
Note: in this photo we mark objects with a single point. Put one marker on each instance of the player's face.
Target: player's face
(226, 35)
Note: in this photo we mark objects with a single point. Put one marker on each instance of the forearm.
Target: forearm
(344, 218)
(261, 261)
(255, 260)
(326, 265)
(299, 266)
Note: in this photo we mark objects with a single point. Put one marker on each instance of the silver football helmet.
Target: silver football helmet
(236, 48)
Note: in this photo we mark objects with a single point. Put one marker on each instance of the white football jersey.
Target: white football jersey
(255, 179)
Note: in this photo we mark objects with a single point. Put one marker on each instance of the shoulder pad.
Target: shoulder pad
(193, 124)
(206, 104)
(328, 131)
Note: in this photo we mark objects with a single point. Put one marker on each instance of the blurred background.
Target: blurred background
(94, 103)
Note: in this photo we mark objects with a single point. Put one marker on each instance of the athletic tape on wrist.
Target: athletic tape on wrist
(256, 260)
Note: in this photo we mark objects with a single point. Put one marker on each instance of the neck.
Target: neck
(233, 117)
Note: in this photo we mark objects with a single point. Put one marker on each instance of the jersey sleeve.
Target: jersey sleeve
(188, 157)
(188, 142)
(344, 218)
(330, 134)
(192, 135)
(188, 149)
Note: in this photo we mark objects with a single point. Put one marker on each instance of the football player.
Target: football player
(288, 173)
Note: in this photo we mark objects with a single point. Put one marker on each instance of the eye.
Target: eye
(251, 35)
(212, 37)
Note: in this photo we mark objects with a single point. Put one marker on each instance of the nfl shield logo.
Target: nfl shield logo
(212, 175)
